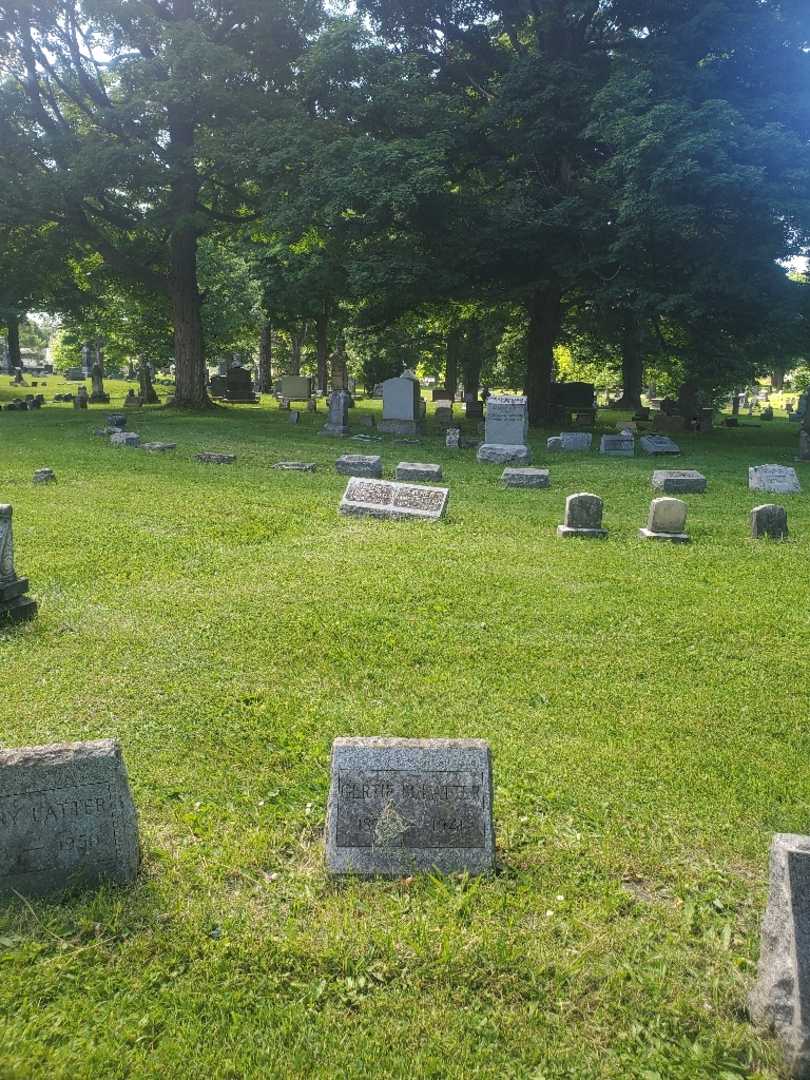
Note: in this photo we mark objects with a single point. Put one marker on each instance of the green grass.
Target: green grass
(646, 706)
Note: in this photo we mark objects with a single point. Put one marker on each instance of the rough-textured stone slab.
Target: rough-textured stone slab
(452, 439)
(678, 481)
(667, 521)
(533, 478)
(359, 465)
(66, 818)
(418, 471)
(576, 441)
(780, 479)
(554, 443)
(617, 445)
(769, 520)
(44, 476)
(501, 455)
(658, 444)
(212, 458)
(158, 447)
(399, 806)
(780, 1001)
(583, 517)
(125, 438)
(117, 420)
(296, 466)
(390, 499)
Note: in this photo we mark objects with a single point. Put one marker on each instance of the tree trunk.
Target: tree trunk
(13, 328)
(190, 373)
(453, 348)
(323, 347)
(544, 308)
(632, 365)
(735, 401)
(778, 379)
(265, 359)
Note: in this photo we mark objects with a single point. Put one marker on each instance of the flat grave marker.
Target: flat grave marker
(780, 479)
(393, 500)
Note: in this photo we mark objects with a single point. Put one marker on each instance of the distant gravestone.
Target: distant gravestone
(780, 1000)
(576, 441)
(66, 818)
(527, 477)
(359, 465)
(158, 447)
(125, 438)
(505, 431)
(403, 407)
(769, 520)
(15, 605)
(392, 500)
(81, 399)
(132, 401)
(780, 479)
(117, 420)
(667, 521)
(554, 443)
(295, 416)
(295, 387)
(658, 444)
(452, 438)
(678, 481)
(296, 466)
(617, 445)
(583, 517)
(337, 422)
(401, 806)
(418, 471)
(44, 476)
(804, 445)
(209, 457)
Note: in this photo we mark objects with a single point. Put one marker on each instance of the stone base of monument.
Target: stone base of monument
(502, 454)
(587, 534)
(403, 806)
(15, 606)
(339, 430)
(674, 538)
(779, 1001)
(532, 478)
(399, 427)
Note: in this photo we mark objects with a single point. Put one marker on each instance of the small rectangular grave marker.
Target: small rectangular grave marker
(776, 478)
(678, 481)
(359, 465)
(617, 445)
(659, 444)
(535, 478)
(390, 499)
(417, 470)
(66, 818)
(397, 806)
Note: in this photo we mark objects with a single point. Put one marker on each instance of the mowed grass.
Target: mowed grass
(646, 705)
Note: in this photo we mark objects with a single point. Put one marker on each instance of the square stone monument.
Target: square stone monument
(66, 818)
(403, 407)
(418, 471)
(359, 465)
(667, 521)
(678, 481)
(525, 477)
(769, 520)
(505, 431)
(583, 517)
(392, 500)
(401, 806)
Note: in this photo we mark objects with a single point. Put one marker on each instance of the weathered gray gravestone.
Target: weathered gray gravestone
(583, 517)
(403, 407)
(117, 420)
(389, 499)
(452, 438)
(359, 465)
(505, 431)
(398, 806)
(779, 479)
(338, 420)
(158, 447)
(617, 445)
(44, 476)
(417, 470)
(769, 520)
(780, 1001)
(125, 438)
(212, 458)
(678, 481)
(528, 477)
(667, 521)
(66, 818)
(575, 441)
(658, 444)
(296, 466)
(15, 606)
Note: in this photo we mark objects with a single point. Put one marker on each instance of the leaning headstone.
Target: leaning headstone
(403, 806)
(780, 479)
(583, 517)
(678, 481)
(15, 606)
(66, 818)
(125, 438)
(554, 443)
(158, 447)
(528, 477)
(44, 476)
(209, 457)
(338, 420)
(505, 431)
(296, 466)
(667, 521)
(452, 438)
(392, 500)
(576, 441)
(417, 470)
(617, 445)
(780, 1000)
(359, 465)
(769, 520)
(658, 444)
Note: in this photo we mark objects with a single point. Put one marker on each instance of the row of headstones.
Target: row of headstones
(395, 807)
(26, 404)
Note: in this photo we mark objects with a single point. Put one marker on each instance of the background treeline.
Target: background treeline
(497, 191)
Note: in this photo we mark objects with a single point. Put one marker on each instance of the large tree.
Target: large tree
(134, 125)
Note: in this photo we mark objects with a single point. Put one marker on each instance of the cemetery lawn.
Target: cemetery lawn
(646, 705)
